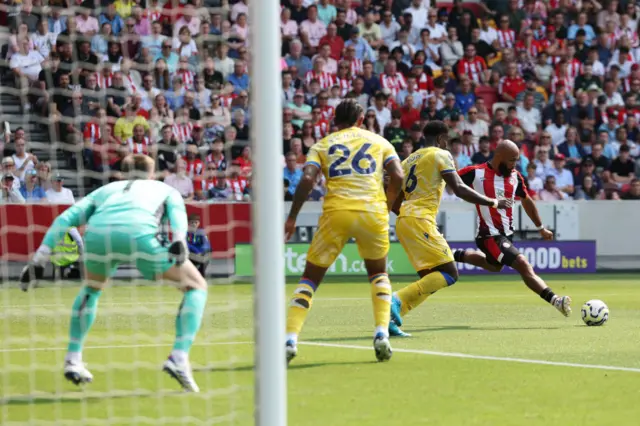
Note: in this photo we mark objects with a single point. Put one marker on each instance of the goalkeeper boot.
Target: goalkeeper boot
(291, 350)
(382, 347)
(563, 304)
(395, 331)
(77, 373)
(396, 306)
(181, 372)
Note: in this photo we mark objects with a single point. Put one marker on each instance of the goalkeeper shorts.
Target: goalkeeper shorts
(104, 252)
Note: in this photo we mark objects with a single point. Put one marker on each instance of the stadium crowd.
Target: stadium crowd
(561, 78)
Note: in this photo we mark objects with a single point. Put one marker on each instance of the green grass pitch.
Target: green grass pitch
(538, 367)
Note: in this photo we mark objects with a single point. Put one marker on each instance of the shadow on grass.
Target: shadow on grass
(79, 396)
(226, 369)
(368, 337)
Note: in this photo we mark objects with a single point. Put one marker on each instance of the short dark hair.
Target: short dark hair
(347, 113)
(433, 130)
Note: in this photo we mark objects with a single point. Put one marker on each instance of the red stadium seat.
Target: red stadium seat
(489, 94)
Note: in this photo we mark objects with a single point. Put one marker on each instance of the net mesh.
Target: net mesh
(61, 126)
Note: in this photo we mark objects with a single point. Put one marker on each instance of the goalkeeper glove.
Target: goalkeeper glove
(178, 252)
(35, 269)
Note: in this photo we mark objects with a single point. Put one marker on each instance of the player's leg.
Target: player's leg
(538, 286)
(476, 258)
(153, 262)
(430, 255)
(326, 245)
(372, 237)
(98, 268)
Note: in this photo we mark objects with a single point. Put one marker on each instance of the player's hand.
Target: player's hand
(546, 234)
(178, 252)
(505, 203)
(289, 229)
(29, 274)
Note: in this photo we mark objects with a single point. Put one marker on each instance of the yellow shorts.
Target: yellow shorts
(335, 228)
(424, 244)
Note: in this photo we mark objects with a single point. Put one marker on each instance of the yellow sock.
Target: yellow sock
(381, 297)
(415, 293)
(299, 307)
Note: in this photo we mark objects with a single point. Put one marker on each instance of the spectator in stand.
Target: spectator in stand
(123, 129)
(465, 97)
(371, 124)
(181, 181)
(623, 167)
(478, 128)
(544, 166)
(484, 153)
(410, 114)
(634, 191)
(512, 84)
(292, 172)
(362, 47)
(582, 24)
(370, 30)
(406, 149)
(571, 148)
(557, 129)
(58, 194)
(110, 16)
(239, 123)
(312, 30)
(44, 174)
(452, 50)
(383, 113)
(550, 192)
(31, 191)
(449, 108)
(9, 169)
(564, 178)
(472, 65)
(461, 159)
(394, 133)
(8, 193)
(23, 161)
(534, 182)
(26, 63)
(389, 28)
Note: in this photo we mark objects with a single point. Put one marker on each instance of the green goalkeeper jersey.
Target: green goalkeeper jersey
(137, 207)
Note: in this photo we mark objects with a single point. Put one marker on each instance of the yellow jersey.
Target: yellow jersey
(352, 161)
(423, 183)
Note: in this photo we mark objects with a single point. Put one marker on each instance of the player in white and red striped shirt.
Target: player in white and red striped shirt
(471, 65)
(499, 179)
(391, 79)
(324, 78)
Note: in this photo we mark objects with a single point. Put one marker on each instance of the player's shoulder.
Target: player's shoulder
(473, 168)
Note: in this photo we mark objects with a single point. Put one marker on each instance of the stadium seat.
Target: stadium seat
(489, 94)
(503, 105)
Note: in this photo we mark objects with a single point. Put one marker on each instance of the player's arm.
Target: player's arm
(398, 203)
(177, 214)
(466, 193)
(309, 176)
(394, 189)
(76, 215)
(530, 209)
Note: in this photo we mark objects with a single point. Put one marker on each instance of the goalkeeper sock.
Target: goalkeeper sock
(414, 294)
(381, 297)
(188, 321)
(83, 314)
(299, 308)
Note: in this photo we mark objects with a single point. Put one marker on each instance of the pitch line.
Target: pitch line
(483, 357)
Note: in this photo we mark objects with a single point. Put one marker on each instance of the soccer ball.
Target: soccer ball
(595, 312)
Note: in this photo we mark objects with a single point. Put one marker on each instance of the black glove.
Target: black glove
(29, 274)
(178, 252)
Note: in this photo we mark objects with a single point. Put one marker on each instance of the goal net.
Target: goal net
(83, 86)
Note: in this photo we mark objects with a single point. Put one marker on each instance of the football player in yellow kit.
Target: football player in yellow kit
(427, 171)
(353, 161)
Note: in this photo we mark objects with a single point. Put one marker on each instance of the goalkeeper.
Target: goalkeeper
(124, 220)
